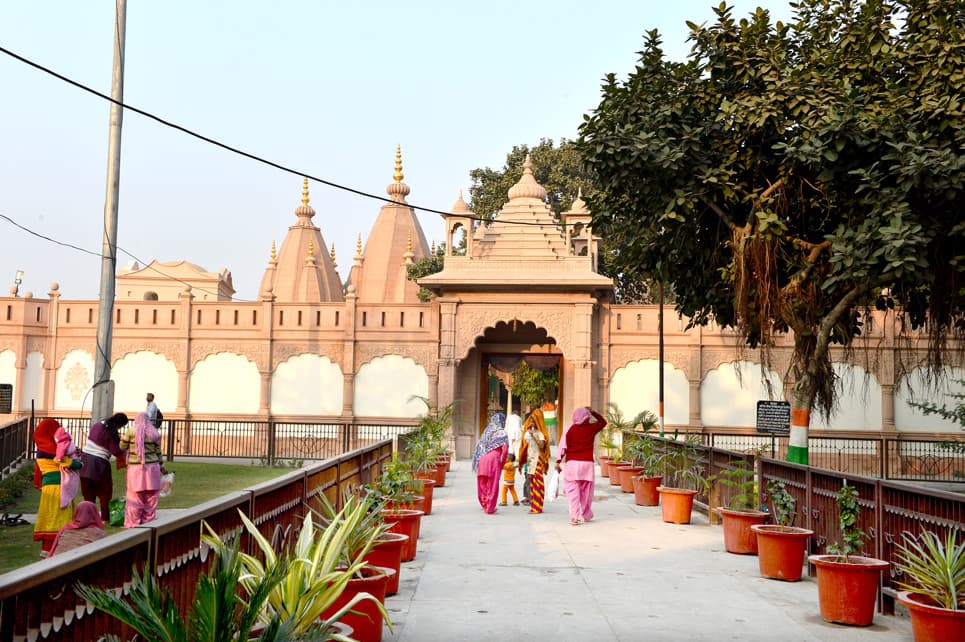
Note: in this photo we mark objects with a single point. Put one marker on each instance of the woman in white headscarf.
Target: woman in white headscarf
(143, 444)
(488, 462)
(576, 448)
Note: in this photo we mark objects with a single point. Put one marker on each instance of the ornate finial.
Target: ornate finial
(579, 192)
(305, 191)
(527, 166)
(333, 252)
(527, 187)
(433, 250)
(408, 243)
(311, 248)
(358, 246)
(274, 252)
(398, 164)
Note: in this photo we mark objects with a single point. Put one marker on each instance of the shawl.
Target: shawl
(581, 416)
(535, 419)
(85, 528)
(144, 430)
(46, 445)
(492, 438)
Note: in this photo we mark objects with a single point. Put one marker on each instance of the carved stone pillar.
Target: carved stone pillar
(888, 408)
(693, 416)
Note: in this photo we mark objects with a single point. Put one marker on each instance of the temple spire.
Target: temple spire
(397, 189)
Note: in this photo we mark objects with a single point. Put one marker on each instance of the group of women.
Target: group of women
(59, 472)
(575, 452)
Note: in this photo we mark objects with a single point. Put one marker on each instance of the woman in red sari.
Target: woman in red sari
(488, 460)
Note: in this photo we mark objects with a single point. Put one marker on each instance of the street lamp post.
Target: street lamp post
(17, 280)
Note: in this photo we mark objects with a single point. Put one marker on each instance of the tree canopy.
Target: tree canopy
(786, 175)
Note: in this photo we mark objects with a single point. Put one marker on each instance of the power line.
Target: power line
(98, 255)
(239, 151)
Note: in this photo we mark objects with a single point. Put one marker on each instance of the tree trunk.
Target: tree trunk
(802, 397)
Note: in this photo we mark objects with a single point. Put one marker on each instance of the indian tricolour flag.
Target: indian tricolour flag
(797, 448)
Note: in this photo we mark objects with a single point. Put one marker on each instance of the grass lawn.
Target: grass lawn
(194, 483)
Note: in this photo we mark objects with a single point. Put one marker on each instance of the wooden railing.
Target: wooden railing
(38, 601)
(14, 443)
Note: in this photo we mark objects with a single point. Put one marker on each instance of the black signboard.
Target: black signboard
(774, 417)
(6, 398)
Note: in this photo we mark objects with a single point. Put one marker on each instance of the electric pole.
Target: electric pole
(103, 403)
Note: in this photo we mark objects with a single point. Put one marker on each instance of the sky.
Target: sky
(325, 88)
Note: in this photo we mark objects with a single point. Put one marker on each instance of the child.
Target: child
(509, 480)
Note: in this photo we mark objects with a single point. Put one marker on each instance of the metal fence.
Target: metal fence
(890, 509)
(38, 601)
(905, 457)
(14, 444)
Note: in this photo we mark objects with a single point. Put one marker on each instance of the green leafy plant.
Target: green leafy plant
(314, 574)
(682, 466)
(395, 481)
(740, 478)
(367, 523)
(611, 438)
(218, 613)
(783, 505)
(849, 510)
(934, 568)
(641, 451)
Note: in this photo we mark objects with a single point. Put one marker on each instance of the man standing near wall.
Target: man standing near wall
(151, 409)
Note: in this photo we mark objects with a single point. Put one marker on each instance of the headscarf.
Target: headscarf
(86, 515)
(535, 419)
(581, 416)
(492, 438)
(144, 430)
(46, 445)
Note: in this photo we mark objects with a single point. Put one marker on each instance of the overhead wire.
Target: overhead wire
(241, 152)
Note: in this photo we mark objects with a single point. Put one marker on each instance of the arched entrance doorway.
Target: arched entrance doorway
(504, 351)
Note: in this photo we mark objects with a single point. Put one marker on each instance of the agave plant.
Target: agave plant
(934, 568)
(368, 528)
(218, 613)
(316, 572)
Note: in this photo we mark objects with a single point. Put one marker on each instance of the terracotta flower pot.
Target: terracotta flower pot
(440, 476)
(367, 623)
(406, 522)
(427, 487)
(605, 462)
(445, 461)
(416, 504)
(387, 553)
(615, 473)
(645, 490)
(676, 504)
(627, 473)
(781, 551)
(738, 536)
(930, 623)
(847, 590)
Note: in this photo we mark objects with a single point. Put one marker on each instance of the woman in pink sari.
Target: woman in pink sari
(488, 462)
(85, 528)
(576, 448)
(143, 444)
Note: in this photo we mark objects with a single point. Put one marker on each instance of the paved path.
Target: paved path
(625, 576)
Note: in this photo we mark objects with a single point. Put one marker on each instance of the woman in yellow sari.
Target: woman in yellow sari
(48, 473)
(536, 423)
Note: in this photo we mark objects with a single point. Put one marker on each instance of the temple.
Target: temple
(523, 287)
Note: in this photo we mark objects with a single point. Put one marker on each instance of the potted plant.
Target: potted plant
(933, 585)
(848, 583)
(780, 544)
(682, 467)
(608, 437)
(151, 611)
(642, 451)
(742, 510)
(396, 484)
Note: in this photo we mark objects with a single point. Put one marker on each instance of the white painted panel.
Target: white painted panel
(307, 384)
(33, 382)
(911, 419)
(139, 373)
(859, 401)
(75, 376)
(729, 400)
(385, 385)
(636, 387)
(225, 383)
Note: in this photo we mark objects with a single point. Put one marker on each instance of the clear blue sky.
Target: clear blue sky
(328, 88)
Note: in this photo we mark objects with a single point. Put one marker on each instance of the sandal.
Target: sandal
(576, 522)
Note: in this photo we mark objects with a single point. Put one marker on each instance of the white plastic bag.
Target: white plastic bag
(553, 487)
(167, 484)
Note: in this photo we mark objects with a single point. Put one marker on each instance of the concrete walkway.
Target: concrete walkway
(625, 576)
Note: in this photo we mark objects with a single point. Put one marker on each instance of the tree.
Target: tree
(424, 267)
(532, 385)
(789, 176)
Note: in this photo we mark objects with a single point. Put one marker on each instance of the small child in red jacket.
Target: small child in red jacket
(509, 481)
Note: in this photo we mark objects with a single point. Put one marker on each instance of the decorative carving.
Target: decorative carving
(282, 352)
(120, 349)
(423, 354)
(257, 353)
(77, 381)
(472, 321)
